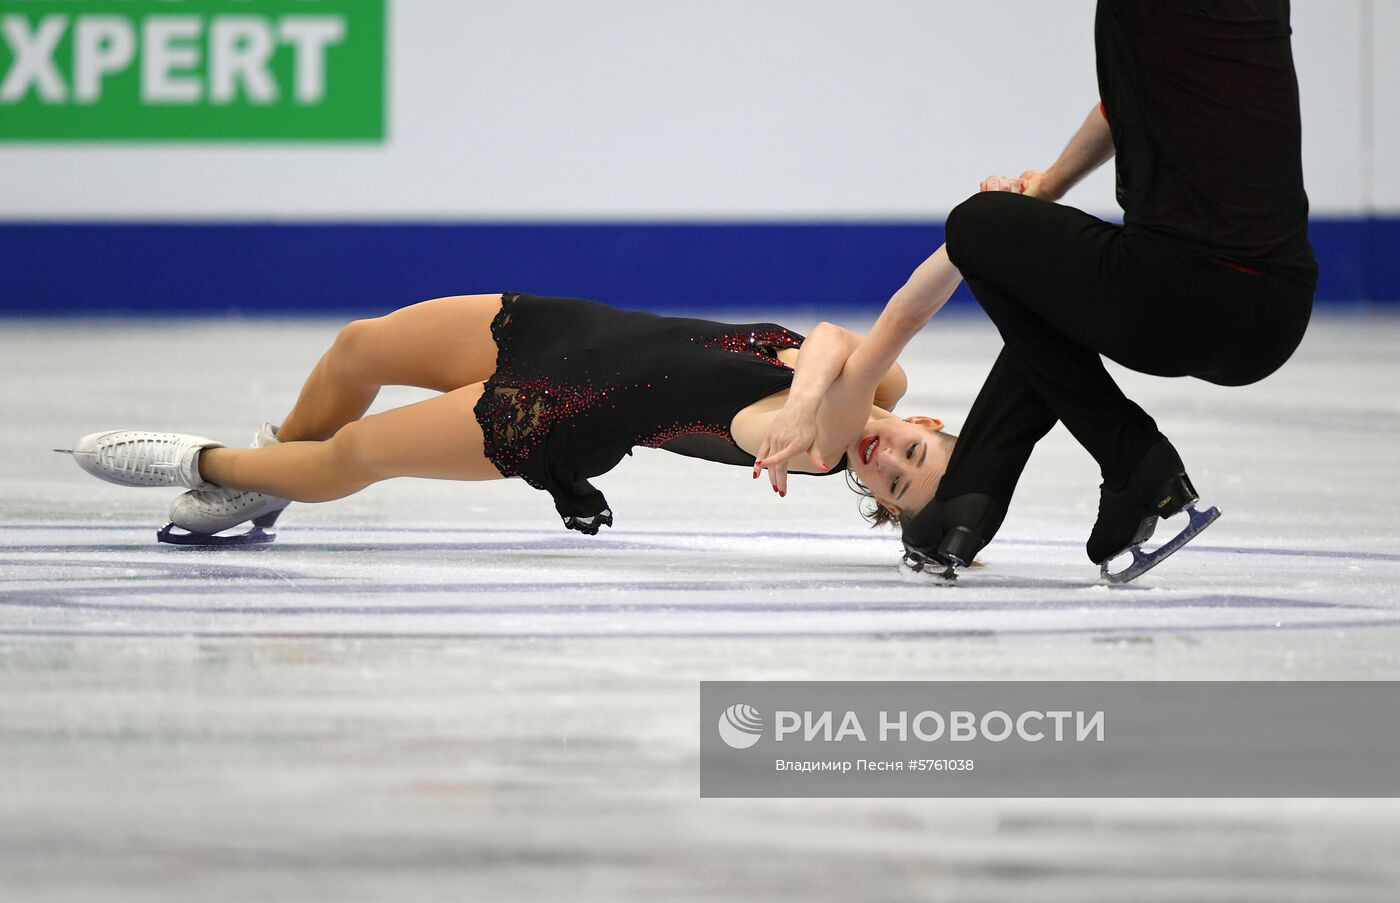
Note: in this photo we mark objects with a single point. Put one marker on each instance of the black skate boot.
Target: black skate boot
(1158, 488)
(949, 533)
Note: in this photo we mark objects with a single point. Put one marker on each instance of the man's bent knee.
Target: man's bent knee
(973, 223)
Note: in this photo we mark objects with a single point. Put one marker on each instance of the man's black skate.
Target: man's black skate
(949, 533)
(1158, 488)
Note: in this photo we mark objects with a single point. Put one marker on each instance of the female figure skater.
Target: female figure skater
(554, 391)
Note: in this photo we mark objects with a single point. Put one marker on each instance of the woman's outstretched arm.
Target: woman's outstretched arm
(923, 294)
(830, 409)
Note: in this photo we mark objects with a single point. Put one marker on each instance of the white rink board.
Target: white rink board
(541, 110)
(433, 690)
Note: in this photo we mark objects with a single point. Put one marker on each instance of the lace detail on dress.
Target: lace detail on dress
(505, 415)
(516, 410)
(589, 525)
(511, 420)
(517, 418)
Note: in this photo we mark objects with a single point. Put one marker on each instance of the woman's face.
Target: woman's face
(900, 461)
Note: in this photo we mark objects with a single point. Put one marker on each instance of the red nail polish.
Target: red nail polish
(782, 494)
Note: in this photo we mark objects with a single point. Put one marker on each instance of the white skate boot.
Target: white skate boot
(198, 517)
(139, 458)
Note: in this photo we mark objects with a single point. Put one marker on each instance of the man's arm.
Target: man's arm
(1090, 148)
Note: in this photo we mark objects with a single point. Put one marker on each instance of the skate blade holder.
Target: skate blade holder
(1146, 561)
(917, 566)
(179, 536)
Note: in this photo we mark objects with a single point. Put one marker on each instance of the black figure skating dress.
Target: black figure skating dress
(578, 384)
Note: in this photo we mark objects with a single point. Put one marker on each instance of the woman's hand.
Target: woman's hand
(1031, 182)
(793, 432)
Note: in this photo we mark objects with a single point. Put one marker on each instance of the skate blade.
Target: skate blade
(179, 536)
(1146, 561)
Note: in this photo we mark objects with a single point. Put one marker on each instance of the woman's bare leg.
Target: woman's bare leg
(438, 439)
(443, 344)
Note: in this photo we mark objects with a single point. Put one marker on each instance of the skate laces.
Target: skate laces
(139, 457)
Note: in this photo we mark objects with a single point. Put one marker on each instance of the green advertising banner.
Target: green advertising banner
(192, 70)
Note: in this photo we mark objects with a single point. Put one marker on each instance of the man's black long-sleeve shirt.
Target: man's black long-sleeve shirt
(1202, 99)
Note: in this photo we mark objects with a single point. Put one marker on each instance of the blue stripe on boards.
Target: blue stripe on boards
(294, 269)
(1383, 258)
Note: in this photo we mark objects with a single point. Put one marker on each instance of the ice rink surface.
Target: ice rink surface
(434, 691)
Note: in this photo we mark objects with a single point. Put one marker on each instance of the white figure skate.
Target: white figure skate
(199, 517)
(140, 458)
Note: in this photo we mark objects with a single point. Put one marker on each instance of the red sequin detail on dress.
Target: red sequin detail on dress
(761, 344)
(677, 430)
(521, 406)
(758, 343)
